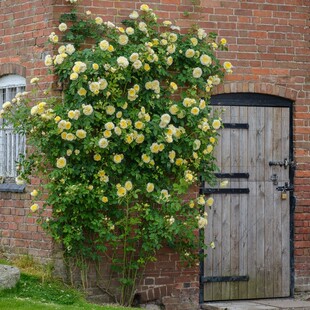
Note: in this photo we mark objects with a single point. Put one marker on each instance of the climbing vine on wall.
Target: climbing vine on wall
(132, 133)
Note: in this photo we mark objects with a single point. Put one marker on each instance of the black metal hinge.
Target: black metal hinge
(236, 125)
(232, 175)
(225, 190)
(225, 279)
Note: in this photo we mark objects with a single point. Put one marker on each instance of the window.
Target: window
(11, 144)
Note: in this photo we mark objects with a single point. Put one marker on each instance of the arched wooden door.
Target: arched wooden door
(250, 222)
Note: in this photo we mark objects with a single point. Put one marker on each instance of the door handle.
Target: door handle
(285, 188)
(285, 163)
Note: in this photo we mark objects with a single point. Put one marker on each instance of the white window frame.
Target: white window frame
(11, 144)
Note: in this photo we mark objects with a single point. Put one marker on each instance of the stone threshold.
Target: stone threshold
(260, 304)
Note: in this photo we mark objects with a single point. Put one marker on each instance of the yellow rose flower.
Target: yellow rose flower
(129, 138)
(154, 148)
(189, 53)
(140, 138)
(201, 200)
(130, 30)
(121, 191)
(197, 73)
(110, 110)
(97, 157)
(117, 158)
(169, 61)
(122, 39)
(128, 185)
(194, 41)
(74, 76)
(67, 125)
(57, 119)
(87, 109)
(208, 150)
(150, 187)
(144, 7)
(61, 162)
(172, 156)
(81, 134)
(146, 158)
(173, 37)
(223, 41)
(139, 125)
(34, 193)
(104, 199)
(123, 123)
(202, 104)
(98, 20)
(103, 143)
(173, 86)
(224, 184)
(107, 133)
(191, 204)
(82, 91)
(227, 66)
(71, 114)
(212, 140)
(216, 124)
(104, 45)
(210, 201)
(205, 60)
(34, 207)
(64, 135)
(195, 111)
(117, 131)
(174, 109)
(70, 137)
(179, 161)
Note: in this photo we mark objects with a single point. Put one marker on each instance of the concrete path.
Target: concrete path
(262, 304)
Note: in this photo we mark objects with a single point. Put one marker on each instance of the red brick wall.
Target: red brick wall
(24, 27)
(268, 46)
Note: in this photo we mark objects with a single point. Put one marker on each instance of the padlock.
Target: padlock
(284, 195)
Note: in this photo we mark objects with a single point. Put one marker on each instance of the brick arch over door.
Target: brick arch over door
(262, 88)
(12, 68)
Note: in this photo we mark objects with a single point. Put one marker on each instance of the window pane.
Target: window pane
(11, 144)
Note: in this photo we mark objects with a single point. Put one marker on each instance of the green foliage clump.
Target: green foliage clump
(132, 133)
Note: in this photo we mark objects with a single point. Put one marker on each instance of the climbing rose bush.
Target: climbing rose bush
(131, 135)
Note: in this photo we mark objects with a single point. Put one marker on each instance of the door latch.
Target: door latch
(285, 188)
(274, 178)
(285, 163)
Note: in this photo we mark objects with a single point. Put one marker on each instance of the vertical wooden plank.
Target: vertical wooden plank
(217, 258)
(217, 224)
(212, 267)
(277, 238)
(285, 208)
(226, 246)
(226, 208)
(269, 206)
(234, 203)
(260, 200)
(252, 216)
(243, 227)
(208, 266)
